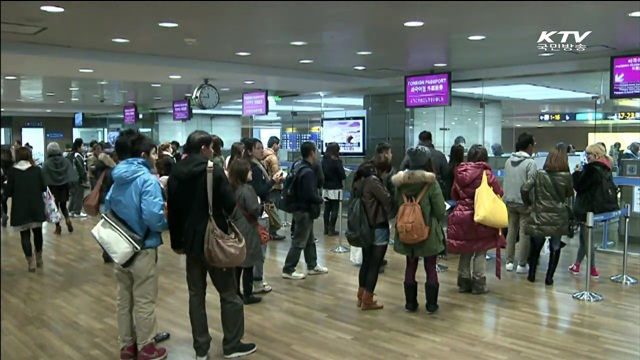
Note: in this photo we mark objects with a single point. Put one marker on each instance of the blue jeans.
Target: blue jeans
(381, 236)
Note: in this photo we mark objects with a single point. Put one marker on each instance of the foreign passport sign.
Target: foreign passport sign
(255, 103)
(427, 90)
(625, 77)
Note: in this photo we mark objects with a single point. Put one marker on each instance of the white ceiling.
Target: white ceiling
(81, 37)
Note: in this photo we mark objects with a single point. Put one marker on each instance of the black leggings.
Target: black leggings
(331, 209)
(26, 241)
(372, 257)
(62, 205)
(247, 281)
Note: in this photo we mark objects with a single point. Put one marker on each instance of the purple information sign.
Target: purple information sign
(130, 114)
(625, 77)
(427, 90)
(181, 110)
(255, 103)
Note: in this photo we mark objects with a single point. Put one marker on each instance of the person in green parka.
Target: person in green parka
(411, 183)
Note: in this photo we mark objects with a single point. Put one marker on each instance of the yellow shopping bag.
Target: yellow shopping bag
(490, 210)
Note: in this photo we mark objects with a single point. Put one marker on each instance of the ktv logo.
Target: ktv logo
(546, 40)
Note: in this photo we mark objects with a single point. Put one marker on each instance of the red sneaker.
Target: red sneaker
(594, 273)
(129, 352)
(151, 352)
(575, 269)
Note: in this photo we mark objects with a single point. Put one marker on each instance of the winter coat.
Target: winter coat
(464, 235)
(517, 170)
(261, 181)
(375, 197)
(247, 199)
(78, 162)
(333, 172)
(548, 192)
(25, 186)
(307, 198)
(590, 186)
(105, 164)
(272, 165)
(58, 170)
(136, 197)
(188, 206)
(433, 210)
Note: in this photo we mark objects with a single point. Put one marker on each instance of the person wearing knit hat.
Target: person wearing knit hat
(58, 173)
(410, 184)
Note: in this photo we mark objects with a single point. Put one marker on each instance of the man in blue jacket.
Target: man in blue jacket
(307, 209)
(136, 197)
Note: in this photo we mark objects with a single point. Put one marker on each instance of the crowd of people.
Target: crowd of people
(155, 189)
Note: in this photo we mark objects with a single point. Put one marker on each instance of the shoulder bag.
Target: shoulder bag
(489, 209)
(91, 202)
(117, 239)
(262, 231)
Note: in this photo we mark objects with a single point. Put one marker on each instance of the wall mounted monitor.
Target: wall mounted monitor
(112, 136)
(427, 90)
(625, 77)
(255, 103)
(349, 133)
(78, 117)
(182, 110)
(130, 114)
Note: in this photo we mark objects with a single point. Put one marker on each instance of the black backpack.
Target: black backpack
(607, 196)
(288, 198)
(359, 233)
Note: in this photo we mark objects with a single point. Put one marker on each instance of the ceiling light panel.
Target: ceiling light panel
(168, 24)
(52, 8)
(413, 23)
(525, 92)
(298, 43)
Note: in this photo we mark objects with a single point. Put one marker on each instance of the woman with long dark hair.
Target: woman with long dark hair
(334, 176)
(377, 203)
(237, 152)
(456, 157)
(218, 144)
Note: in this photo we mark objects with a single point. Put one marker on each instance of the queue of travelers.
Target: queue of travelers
(157, 189)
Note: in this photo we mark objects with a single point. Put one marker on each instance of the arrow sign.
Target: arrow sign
(619, 78)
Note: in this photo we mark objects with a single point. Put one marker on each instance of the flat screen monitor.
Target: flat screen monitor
(182, 110)
(78, 117)
(112, 136)
(255, 103)
(130, 114)
(349, 133)
(625, 77)
(427, 90)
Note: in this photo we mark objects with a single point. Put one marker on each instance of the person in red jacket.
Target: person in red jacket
(464, 236)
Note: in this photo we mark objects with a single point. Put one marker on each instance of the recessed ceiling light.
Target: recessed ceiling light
(31, 98)
(175, 77)
(544, 110)
(243, 53)
(188, 95)
(116, 103)
(103, 82)
(168, 24)
(48, 110)
(635, 14)
(306, 61)
(476, 37)
(120, 40)
(546, 54)
(224, 89)
(359, 67)
(96, 95)
(363, 53)
(74, 88)
(61, 102)
(51, 94)
(10, 77)
(414, 23)
(157, 98)
(453, 123)
(440, 65)
(156, 85)
(131, 101)
(52, 8)
(518, 125)
(74, 99)
(2, 109)
(19, 100)
(85, 70)
(124, 91)
(298, 43)
(249, 82)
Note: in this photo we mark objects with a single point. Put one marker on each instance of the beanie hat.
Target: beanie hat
(53, 149)
(418, 157)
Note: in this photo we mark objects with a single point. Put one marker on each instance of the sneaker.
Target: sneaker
(206, 357)
(318, 270)
(277, 237)
(509, 266)
(294, 276)
(82, 215)
(151, 352)
(261, 287)
(251, 300)
(575, 269)
(522, 269)
(128, 352)
(594, 273)
(240, 350)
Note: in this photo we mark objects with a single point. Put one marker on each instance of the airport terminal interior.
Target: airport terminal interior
(353, 73)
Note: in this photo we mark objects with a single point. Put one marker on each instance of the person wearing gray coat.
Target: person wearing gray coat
(248, 212)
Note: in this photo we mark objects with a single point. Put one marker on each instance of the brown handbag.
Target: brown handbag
(221, 249)
(91, 202)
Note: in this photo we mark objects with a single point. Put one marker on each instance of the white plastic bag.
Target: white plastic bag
(356, 255)
(545, 247)
(51, 211)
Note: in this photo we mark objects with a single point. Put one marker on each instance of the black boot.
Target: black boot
(431, 291)
(554, 258)
(411, 296)
(534, 257)
(464, 284)
(479, 286)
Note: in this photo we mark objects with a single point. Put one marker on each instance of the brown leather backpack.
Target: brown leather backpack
(411, 226)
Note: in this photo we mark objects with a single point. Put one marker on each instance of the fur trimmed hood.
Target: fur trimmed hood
(413, 177)
(107, 160)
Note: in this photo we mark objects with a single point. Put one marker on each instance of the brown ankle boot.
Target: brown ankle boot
(360, 292)
(69, 225)
(58, 229)
(32, 264)
(368, 303)
(39, 262)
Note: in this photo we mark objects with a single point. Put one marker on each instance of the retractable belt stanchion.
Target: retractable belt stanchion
(624, 278)
(587, 295)
(340, 249)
